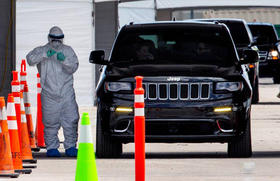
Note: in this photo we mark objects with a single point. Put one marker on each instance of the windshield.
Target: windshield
(263, 34)
(174, 46)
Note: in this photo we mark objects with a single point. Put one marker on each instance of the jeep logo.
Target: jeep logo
(173, 79)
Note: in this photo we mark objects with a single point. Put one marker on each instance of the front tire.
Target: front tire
(242, 147)
(255, 98)
(106, 147)
(276, 79)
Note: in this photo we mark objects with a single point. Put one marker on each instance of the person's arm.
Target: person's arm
(71, 63)
(36, 56)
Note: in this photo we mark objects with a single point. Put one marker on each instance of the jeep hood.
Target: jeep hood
(172, 70)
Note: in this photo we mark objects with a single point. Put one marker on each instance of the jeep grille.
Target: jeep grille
(177, 91)
(262, 55)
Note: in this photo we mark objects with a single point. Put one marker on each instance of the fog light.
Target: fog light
(124, 109)
(223, 109)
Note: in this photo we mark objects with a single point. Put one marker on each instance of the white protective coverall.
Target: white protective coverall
(59, 107)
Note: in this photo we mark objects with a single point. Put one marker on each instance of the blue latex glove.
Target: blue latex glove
(60, 56)
(50, 52)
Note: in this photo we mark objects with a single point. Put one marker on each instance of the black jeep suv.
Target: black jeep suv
(243, 39)
(196, 88)
(267, 41)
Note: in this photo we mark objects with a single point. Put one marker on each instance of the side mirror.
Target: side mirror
(97, 57)
(250, 56)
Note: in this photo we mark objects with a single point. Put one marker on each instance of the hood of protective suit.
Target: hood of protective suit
(56, 37)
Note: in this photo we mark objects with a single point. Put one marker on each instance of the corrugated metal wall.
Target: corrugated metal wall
(35, 18)
(7, 44)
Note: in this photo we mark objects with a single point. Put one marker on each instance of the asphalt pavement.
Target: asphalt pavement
(183, 161)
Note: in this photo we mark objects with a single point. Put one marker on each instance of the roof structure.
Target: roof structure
(192, 4)
(201, 4)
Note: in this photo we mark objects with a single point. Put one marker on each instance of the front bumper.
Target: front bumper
(222, 138)
(179, 122)
(269, 67)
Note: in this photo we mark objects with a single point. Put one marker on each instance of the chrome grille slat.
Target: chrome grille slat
(161, 91)
(165, 91)
(207, 85)
(173, 89)
(263, 56)
(187, 93)
(145, 88)
(150, 91)
(194, 93)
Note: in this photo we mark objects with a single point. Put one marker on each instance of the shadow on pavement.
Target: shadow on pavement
(266, 154)
(42, 156)
(171, 155)
(176, 155)
(267, 83)
(268, 103)
(200, 155)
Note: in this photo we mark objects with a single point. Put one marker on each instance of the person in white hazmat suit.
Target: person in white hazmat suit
(56, 64)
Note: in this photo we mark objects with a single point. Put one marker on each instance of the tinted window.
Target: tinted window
(174, 46)
(263, 34)
(238, 32)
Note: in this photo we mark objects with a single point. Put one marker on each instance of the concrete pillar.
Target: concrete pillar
(106, 28)
(7, 44)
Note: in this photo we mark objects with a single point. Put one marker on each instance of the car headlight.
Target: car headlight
(229, 86)
(273, 54)
(118, 86)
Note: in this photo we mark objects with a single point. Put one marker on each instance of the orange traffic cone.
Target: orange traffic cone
(14, 138)
(24, 89)
(26, 153)
(28, 113)
(16, 94)
(23, 75)
(39, 126)
(6, 160)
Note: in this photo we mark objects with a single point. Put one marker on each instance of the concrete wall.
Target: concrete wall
(33, 23)
(269, 15)
(7, 44)
(163, 15)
